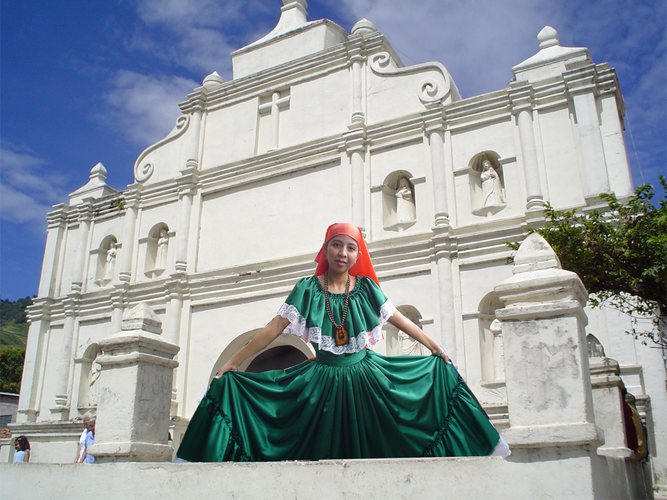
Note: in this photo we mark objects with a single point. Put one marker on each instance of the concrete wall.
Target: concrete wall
(469, 478)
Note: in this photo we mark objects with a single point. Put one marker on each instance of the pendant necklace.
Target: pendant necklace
(340, 336)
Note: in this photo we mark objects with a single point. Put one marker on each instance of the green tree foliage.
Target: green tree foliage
(14, 310)
(619, 253)
(11, 369)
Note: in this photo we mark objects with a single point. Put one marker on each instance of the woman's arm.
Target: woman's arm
(27, 456)
(262, 339)
(402, 323)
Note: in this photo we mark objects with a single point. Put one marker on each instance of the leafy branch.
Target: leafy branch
(620, 254)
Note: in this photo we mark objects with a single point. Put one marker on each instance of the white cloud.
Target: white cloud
(144, 107)
(200, 33)
(28, 188)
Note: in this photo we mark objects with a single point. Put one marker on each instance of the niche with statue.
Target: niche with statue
(487, 184)
(157, 247)
(106, 261)
(399, 204)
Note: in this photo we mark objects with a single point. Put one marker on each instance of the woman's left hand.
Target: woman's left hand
(441, 352)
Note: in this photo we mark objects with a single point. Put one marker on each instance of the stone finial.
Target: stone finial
(363, 27)
(548, 37)
(96, 187)
(535, 254)
(141, 317)
(98, 173)
(212, 81)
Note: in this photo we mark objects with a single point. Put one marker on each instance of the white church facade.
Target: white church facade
(317, 126)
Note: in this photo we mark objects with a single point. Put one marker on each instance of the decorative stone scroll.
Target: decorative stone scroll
(435, 88)
(143, 170)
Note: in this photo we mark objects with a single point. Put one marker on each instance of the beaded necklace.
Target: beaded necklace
(341, 336)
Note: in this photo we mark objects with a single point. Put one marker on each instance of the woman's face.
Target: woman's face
(342, 253)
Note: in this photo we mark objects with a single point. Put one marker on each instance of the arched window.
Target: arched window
(399, 203)
(157, 247)
(90, 372)
(487, 183)
(285, 351)
(491, 340)
(106, 261)
(400, 343)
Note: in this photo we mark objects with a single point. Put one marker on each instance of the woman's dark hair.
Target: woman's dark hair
(23, 443)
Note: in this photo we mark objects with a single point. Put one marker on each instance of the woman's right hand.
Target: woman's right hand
(227, 367)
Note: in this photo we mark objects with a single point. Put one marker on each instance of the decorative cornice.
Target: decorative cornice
(521, 97)
(355, 138)
(57, 218)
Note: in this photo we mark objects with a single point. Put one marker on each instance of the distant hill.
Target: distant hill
(13, 325)
(13, 334)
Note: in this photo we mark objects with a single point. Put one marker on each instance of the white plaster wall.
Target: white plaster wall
(238, 229)
(317, 108)
(392, 96)
(564, 179)
(230, 133)
(69, 259)
(615, 154)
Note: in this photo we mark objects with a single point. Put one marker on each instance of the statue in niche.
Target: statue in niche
(407, 346)
(405, 201)
(496, 328)
(491, 185)
(161, 254)
(110, 261)
(95, 370)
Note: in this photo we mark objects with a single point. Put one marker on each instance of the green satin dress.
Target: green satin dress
(349, 402)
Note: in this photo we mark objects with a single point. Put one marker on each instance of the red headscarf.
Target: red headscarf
(363, 266)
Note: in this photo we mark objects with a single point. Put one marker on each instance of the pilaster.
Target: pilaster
(582, 87)
(132, 198)
(39, 319)
(187, 186)
(56, 224)
(444, 251)
(356, 144)
(522, 102)
(434, 130)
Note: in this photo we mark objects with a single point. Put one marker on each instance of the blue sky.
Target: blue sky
(84, 81)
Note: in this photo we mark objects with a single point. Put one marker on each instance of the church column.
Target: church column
(435, 131)
(85, 218)
(521, 99)
(56, 224)
(186, 190)
(355, 145)
(132, 196)
(177, 287)
(61, 372)
(581, 85)
(356, 63)
(39, 319)
(443, 245)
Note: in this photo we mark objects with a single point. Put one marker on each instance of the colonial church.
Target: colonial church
(319, 125)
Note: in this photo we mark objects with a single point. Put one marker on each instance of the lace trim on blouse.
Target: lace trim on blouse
(297, 326)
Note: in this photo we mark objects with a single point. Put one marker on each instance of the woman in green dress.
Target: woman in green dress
(348, 402)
